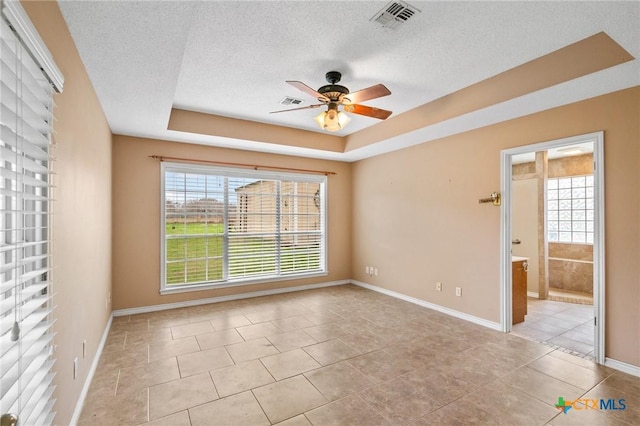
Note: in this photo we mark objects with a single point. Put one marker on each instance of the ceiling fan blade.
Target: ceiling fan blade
(308, 90)
(373, 92)
(296, 109)
(378, 113)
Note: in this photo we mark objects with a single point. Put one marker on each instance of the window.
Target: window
(570, 209)
(26, 308)
(225, 226)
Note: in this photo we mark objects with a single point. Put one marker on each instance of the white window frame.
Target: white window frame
(239, 173)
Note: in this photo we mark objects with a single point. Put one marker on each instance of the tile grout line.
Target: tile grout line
(214, 385)
(148, 404)
(115, 391)
(374, 408)
(268, 371)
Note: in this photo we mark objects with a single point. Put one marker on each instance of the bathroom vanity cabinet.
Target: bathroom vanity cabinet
(519, 267)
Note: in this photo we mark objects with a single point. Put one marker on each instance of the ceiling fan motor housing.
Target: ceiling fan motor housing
(333, 77)
(333, 91)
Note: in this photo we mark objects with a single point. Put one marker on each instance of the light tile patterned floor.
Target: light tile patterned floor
(337, 356)
(559, 324)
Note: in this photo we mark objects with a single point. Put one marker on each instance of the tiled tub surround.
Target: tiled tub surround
(571, 267)
(339, 355)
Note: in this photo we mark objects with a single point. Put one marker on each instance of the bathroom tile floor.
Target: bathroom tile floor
(339, 355)
(565, 325)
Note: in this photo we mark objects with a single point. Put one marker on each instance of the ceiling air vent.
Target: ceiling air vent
(394, 14)
(287, 100)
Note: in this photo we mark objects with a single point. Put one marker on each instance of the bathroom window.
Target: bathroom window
(570, 209)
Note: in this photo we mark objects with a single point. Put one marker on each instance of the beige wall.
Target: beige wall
(136, 218)
(82, 219)
(417, 219)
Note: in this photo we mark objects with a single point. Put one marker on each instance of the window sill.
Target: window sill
(225, 284)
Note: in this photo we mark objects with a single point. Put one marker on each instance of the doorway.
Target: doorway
(564, 259)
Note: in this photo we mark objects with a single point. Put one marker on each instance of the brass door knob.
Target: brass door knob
(8, 419)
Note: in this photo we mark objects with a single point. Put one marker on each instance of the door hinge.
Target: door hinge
(595, 321)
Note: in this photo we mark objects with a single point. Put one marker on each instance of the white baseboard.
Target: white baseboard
(622, 366)
(533, 294)
(476, 320)
(617, 365)
(166, 306)
(92, 371)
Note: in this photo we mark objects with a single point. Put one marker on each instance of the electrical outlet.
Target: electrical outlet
(366, 269)
(458, 291)
(75, 368)
(375, 271)
(84, 348)
(439, 286)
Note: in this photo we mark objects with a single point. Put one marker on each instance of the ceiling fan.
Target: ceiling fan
(333, 95)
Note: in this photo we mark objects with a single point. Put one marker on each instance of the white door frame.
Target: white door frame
(598, 238)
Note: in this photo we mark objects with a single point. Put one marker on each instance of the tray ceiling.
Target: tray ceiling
(228, 61)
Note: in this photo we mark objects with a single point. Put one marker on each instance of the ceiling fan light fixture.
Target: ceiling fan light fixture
(332, 120)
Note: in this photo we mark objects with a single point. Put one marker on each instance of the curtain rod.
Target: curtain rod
(253, 166)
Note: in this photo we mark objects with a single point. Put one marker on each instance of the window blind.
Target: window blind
(26, 115)
(225, 225)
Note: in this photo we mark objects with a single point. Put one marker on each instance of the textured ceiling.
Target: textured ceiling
(231, 58)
